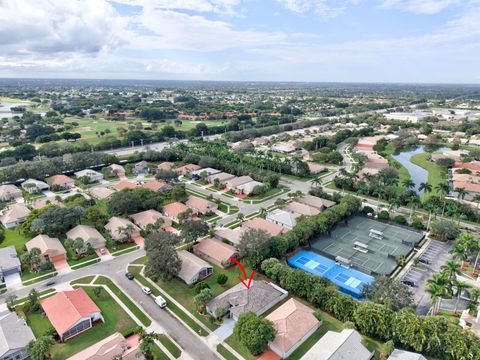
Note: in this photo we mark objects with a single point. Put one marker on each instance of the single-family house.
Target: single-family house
(283, 218)
(232, 184)
(116, 170)
(60, 182)
(88, 234)
(156, 185)
(114, 346)
(315, 168)
(405, 355)
(247, 188)
(233, 236)
(89, 175)
(294, 323)
(222, 177)
(205, 172)
(173, 210)
(150, 217)
(51, 249)
(71, 312)
(260, 297)
(33, 186)
(9, 262)
(140, 168)
(299, 208)
(126, 185)
(101, 192)
(185, 169)
(201, 206)
(346, 344)
(216, 251)
(166, 166)
(14, 215)
(315, 201)
(15, 334)
(120, 229)
(261, 224)
(9, 192)
(42, 202)
(193, 268)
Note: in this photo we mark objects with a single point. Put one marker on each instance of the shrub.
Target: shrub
(222, 279)
(399, 219)
(383, 215)
(417, 224)
(200, 286)
(368, 210)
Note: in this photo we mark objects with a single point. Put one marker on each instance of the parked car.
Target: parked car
(160, 301)
(103, 251)
(50, 283)
(129, 276)
(146, 290)
(408, 282)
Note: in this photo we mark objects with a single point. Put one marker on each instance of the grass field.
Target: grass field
(144, 319)
(88, 128)
(436, 174)
(15, 238)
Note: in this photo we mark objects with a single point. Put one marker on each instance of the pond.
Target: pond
(6, 107)
(417, 173)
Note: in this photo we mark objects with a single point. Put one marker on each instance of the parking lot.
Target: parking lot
(430, 261)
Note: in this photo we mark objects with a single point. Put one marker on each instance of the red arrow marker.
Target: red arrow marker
(245, 278)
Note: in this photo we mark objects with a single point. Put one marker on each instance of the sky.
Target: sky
(412, 41)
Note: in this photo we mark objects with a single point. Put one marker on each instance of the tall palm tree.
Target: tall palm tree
(461, 193)
(438, 286)
(414, 201)
(430, 209)
(452, 269)
(459, 251)
(394, 203)
(317, 181)
(408, 184)
(444, 189)
(460, 287)
(426, 187)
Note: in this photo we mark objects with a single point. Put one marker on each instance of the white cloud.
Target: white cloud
(213, 6)
(427, 7)
(323, 8)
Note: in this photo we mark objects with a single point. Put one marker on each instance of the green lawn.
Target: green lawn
(72, 262)
(436, 174)
(159, 354)
(145, 320)
(135, 270)
(28, 275)
(242, 350)
(15, 238)
(267, 195)
(403, 173)
(39, 323)
(170, 346)
(140, 261)
(222, 350)
(184, 294)
(83, 280)
(116, 319)
(88, 127)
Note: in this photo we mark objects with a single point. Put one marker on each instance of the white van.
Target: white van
(160, 301)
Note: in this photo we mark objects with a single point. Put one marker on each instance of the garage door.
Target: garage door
(10, 271)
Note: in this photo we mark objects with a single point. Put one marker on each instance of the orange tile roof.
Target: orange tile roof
(126, 185)
(65, 308)
(269, 355)
(155, 185)
(60, 179)
(262, 224)
(215, 249)
(470, 187)
(470, 166)
(175, 209)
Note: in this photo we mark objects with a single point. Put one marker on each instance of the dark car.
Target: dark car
(409, 283)
(50, 283)
(129, 276)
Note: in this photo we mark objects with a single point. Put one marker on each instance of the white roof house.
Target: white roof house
(339, 346)
(92, 175)
(9, 261)
(405, 355)
(14, 215)
(33, 186)
(284, 218)
(248, 187)
(193, 268)
(15, 334)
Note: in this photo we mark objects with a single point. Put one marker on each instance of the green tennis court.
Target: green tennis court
(373, 247)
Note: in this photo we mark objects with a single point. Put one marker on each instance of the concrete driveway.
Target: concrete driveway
(12, 280)
(224, 331)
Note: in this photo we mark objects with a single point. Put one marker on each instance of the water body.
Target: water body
(417, 173)
(6, 109)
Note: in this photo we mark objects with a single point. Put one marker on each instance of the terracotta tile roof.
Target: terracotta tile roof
(201, 205)
(262, 224)
(187, 168)
(301, 209)
(269, 355)
(292, 321)
(174, 209)
(470, 187)
(126, 185)
(475, 166)
(156, 185)
(60, 179)
(65, 308)
(216, 250)
(165, 166)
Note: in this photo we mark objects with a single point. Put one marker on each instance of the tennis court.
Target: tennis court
(371, 246)
(349, 281)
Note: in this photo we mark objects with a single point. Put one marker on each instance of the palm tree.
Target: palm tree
(414, 201)
(408, 184)
(430, 209)
(452, 269)
(444, 189)
(317, 181)
(394, 203)
(459, 251)
(437, 287)
(460, 288)
(461, 193)
(425, 187)
(473, 303)
(147, 342)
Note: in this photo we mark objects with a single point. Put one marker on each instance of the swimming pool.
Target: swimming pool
(349, 281)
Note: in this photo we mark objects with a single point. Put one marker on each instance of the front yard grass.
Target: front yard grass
(144, 319)
(222, 350)
(436, 174)
(72, 261)
(116, 319)
(135, 270)
(170, 346)
(15, 238)
(83, 280)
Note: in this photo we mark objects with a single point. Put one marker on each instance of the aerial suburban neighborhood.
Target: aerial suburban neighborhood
(239, 180)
